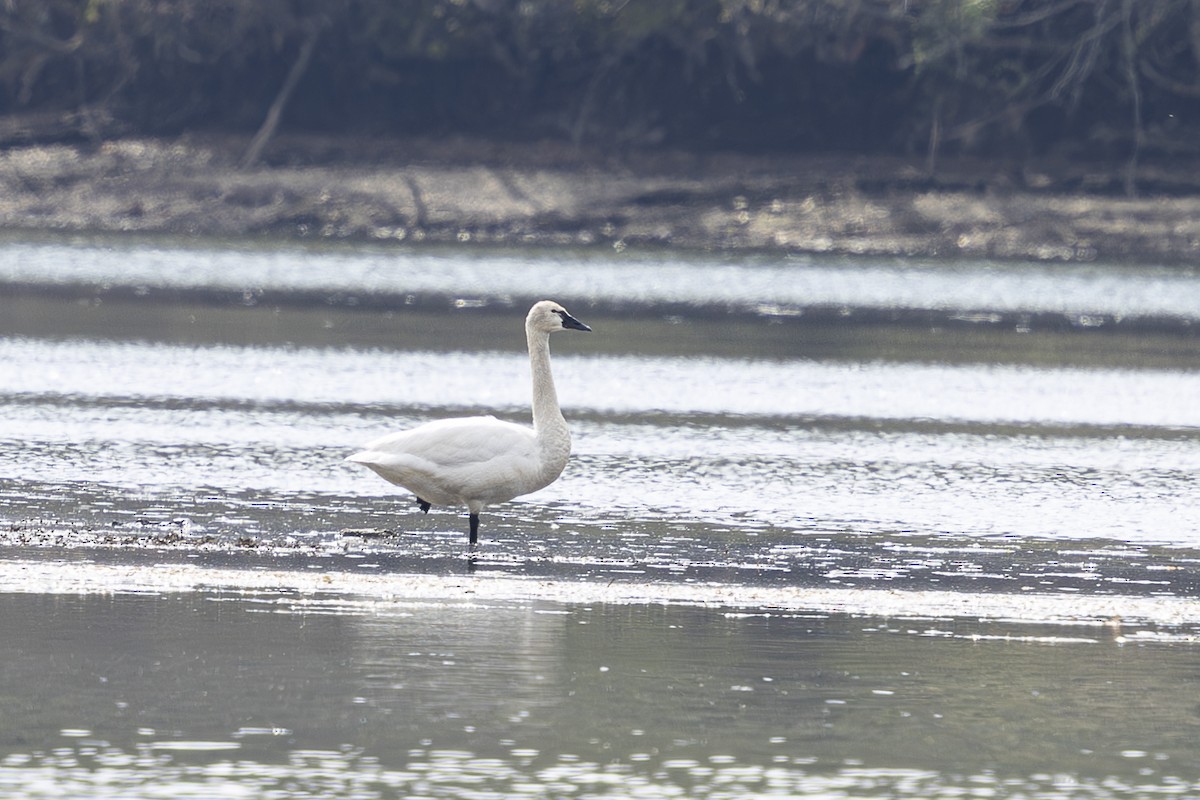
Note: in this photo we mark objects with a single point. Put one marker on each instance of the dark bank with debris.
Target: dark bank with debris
(1015, 130)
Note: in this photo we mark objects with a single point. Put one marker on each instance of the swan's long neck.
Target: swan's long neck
(553, 436)
(547, 416)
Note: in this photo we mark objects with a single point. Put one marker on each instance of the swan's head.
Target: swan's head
(548, 317)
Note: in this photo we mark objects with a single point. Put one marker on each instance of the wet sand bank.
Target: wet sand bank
(548, 194)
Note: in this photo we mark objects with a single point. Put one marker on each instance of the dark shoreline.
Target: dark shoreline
(548, 194)
(923, 319)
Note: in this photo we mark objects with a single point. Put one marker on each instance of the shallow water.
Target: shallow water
(647, 279)
(939, 540)
(230, 695)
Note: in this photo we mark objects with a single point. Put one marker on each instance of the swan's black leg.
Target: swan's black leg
(474, 528)
(423, 505)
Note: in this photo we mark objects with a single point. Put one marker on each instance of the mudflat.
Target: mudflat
(548, 193)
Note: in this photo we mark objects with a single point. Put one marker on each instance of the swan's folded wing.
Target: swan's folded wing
(450, 444)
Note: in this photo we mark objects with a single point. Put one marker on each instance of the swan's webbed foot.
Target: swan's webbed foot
(424, 505)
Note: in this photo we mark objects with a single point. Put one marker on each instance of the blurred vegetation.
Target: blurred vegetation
(1101, 79)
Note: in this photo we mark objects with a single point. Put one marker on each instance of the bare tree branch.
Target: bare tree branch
(275, 113)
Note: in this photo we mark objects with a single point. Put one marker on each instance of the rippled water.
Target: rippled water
(232, 696)
(766, 283)
(167, 404)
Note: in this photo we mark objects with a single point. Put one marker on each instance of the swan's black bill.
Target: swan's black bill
(572, 323)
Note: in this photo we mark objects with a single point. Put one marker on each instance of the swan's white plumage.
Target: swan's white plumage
(452, 461)
(478, 461)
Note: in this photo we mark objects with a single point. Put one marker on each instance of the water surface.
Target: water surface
(252, 695)
(830, 528)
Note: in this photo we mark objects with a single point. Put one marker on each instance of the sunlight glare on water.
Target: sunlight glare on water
(645, 278)
(958, 393)
(848, 449)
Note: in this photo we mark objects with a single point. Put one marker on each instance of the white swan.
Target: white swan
(478, 461)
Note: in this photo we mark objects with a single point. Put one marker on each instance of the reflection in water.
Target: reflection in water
(295, 697)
